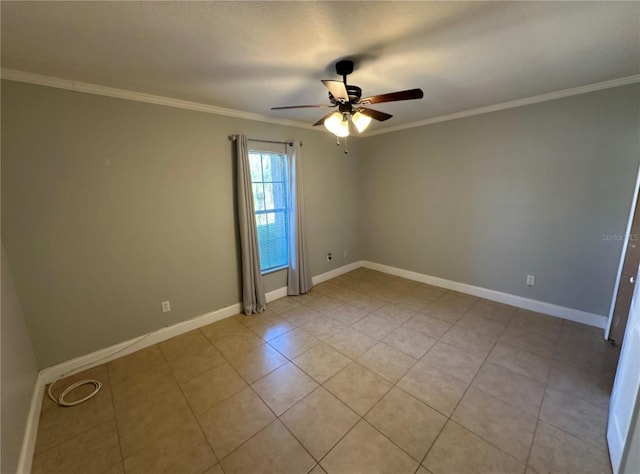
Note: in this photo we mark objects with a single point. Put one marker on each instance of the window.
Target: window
(270, 197)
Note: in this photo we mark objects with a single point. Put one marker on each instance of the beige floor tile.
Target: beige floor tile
(140, 425)
(493, 420)
(58, 424)
(318, 470)
(135, 364)
(185, 451)
(367, 303)
(453, 361)
(423, 470)
(496, 422)
(597, 359)
(520, 361)
(237, 344)
(410, 342)
(406, 421)
(224, 328)
(294, 343)
(413, 302)
(344, 294)
(117, 469)
(556, 451)
(374, 327)
(358, 387)
(348, 314)
(365, 450)
(319, 421)
(427, 292)
(491, 309)
(575, 416)
(394, 313)
(283, 305)
(457, 450)
(250, 320)
(323, 327)
(454, 299)
(283, 387)
(231, 422)
(95, 450)
(387, 361)
(386, 294)
(212, 386)
(481, 324)
(596, 389)
(196, 362)
(539, 323)
(214, 470)
(257, 362)
(468, 341)
(325, 303)
(350, 342)
(304, 313)
(141, 389)
(528, 341)
(443, 313)
(517, 390)
(322, 362)
(270, 329)
(427, 325)
(274, 449)
(437, 389)
(187, 343)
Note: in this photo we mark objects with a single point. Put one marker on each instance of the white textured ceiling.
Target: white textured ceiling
(250, 56)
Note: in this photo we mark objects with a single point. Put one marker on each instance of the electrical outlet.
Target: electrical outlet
(166, 306)
(531, 280)
(329, 257)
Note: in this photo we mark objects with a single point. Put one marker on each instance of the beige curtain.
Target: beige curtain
(298, 276)
(253, 297)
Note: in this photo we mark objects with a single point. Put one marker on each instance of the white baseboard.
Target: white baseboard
(101, 356)
(51, 374)
(31, 429)
(336, 272)
(563, 312)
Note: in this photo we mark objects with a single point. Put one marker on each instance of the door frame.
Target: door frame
(623, 254)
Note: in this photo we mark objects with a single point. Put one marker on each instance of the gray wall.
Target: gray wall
(18, 370)
(487, 199)
(111, 206)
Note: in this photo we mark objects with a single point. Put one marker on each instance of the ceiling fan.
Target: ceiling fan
(351, 105)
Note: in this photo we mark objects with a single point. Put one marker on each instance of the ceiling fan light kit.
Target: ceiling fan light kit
(338, 124)
(347, 98)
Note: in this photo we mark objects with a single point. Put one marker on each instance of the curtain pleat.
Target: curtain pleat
(253, 297)
(298, 275)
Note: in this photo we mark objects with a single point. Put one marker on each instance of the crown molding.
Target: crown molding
(622, 81)
(87, 88)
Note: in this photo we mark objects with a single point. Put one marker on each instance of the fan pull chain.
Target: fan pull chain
(346, 149)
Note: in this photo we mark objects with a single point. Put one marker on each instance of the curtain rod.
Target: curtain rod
(234, 137)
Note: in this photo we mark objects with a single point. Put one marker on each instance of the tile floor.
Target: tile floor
(367, 373)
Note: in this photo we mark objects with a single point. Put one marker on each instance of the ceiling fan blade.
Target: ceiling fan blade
(394, 96)
(300, 107)
(337, 89)
(321, 121)
(375, 114)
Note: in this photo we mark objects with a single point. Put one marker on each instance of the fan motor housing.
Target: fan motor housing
(354, 93)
